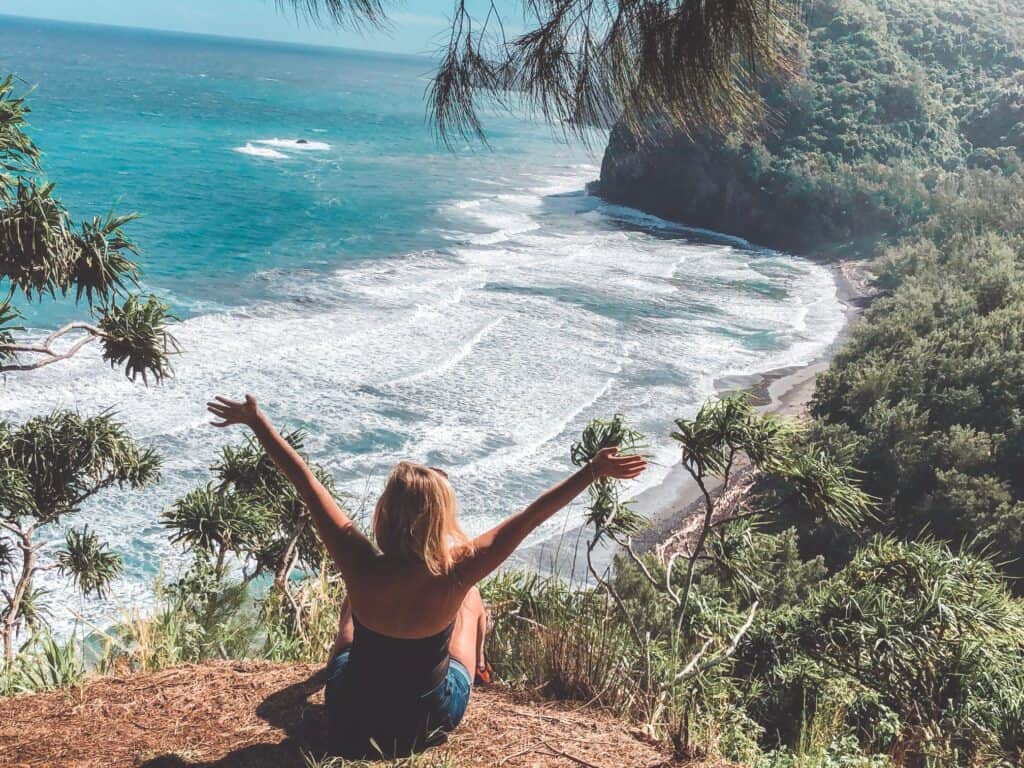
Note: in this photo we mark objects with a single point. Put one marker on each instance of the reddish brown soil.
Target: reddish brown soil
(262, 715)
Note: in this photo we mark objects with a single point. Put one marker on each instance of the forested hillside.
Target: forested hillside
(887, 98)
(903, 141)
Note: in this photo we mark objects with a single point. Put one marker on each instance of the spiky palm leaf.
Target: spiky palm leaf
(934, 632)
(18, 154)
(247, 471)
(8, 315)
(33, 610)
(45, 664)
(8, 557)
(607, 512)
(61, 459)
(43, 254)
(16, 498)
(36, 245)
(727, 429)
(102, 266)
(135, 336)
(217, 522)
(88, 562)
(586, 63)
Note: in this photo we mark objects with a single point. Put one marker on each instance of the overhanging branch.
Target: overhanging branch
(45, 349)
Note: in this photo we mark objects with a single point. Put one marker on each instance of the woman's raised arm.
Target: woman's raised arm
(491, 549)
(344, 541)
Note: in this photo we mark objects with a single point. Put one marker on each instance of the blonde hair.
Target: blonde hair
(415, 518)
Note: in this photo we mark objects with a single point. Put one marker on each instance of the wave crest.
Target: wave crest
(265, 152)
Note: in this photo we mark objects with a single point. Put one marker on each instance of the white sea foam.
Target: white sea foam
(301, 145)
(266, 152)
(487, 358)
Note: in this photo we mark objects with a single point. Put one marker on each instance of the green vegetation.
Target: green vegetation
(43, 255)
(905, 142)
(727, 644)
(892, 97)
(51, 464)
(583, 64)
(48, 467)
(928, 395)
(847, 597)
(247, 529)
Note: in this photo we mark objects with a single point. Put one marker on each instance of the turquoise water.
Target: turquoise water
(472, 309)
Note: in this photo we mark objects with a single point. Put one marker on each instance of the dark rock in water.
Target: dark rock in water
(301, 141)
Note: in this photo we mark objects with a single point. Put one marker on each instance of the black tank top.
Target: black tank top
(394, 663)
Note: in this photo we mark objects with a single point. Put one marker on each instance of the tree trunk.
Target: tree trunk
(28, 567)
(291, 554)
(221, 553)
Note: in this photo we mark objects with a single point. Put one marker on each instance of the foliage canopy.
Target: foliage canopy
(45, 255)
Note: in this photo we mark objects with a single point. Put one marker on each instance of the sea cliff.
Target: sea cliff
(888, 97)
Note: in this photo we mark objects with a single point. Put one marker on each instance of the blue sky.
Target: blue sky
(417, 25)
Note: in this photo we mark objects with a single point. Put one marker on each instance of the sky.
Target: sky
(417, 25)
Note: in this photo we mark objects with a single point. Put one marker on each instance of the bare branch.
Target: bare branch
(46, 349)
(628, 546)
(668, 577)
(606, 585)
(19, 532)
(688, 670)
(695, 666)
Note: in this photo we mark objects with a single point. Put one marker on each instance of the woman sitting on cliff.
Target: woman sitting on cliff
(413, 623)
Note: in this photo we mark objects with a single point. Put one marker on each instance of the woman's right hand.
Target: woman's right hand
(231, 412)
(608, 463)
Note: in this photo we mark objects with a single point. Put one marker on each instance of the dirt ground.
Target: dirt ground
(262, 715)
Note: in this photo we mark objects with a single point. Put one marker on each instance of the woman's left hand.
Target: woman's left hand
(231, 412)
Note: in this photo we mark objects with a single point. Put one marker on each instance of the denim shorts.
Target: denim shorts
(370, 721)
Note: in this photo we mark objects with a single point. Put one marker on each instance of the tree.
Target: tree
(928, 392)
(586, 63)
(253, 513)
(747, 467)
(936, 636)
(49, 466)
(43, 254)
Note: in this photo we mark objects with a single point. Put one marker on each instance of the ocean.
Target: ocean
(471, 309)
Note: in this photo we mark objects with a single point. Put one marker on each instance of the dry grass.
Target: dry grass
(264, 715)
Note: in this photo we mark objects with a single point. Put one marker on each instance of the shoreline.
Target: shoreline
(784, 392)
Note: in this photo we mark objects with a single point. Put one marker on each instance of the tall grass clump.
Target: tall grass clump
(43, 664)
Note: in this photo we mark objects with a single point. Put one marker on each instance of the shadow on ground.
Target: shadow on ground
(303, 722)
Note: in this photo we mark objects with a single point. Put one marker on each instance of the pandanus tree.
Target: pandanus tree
(49, 466)
(252, 514)
(937, 638)
(52, 464)
(590, 63)
(45, 255)
(746, 468)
